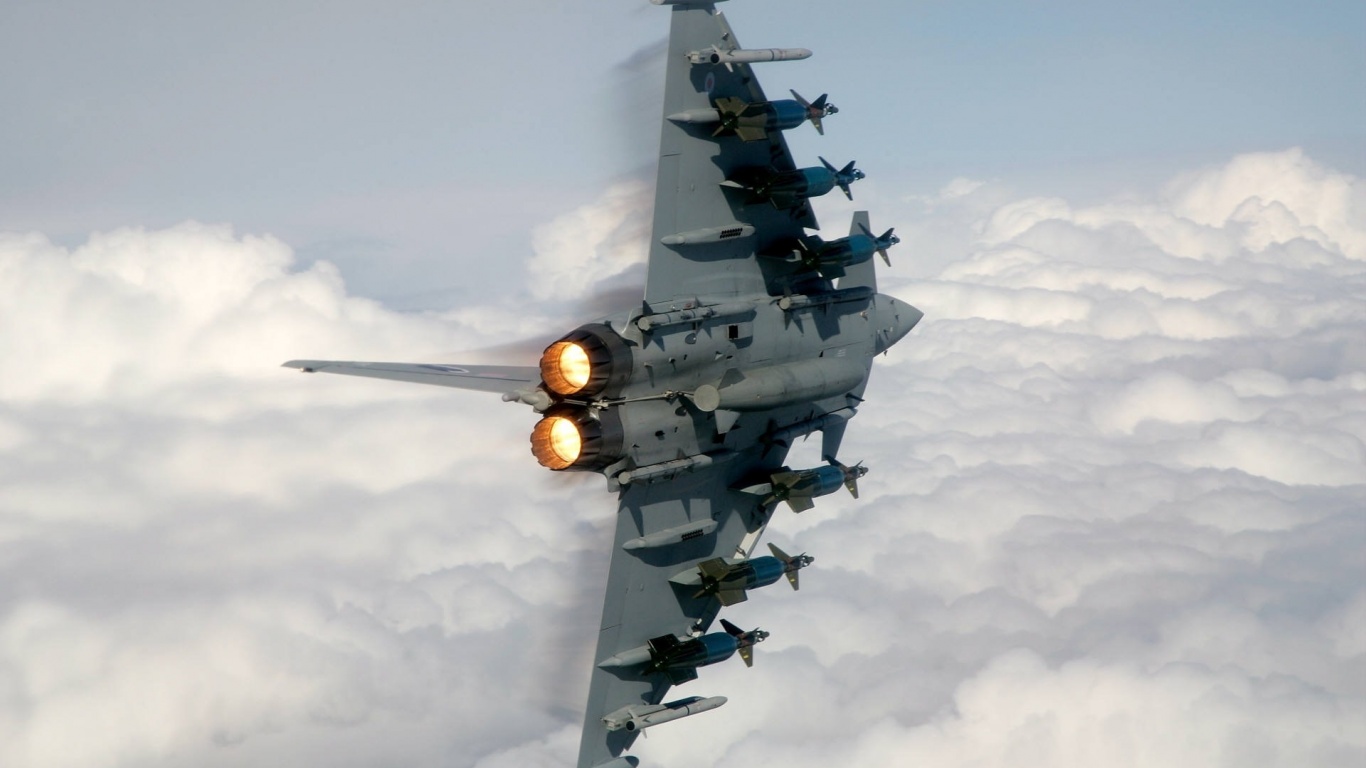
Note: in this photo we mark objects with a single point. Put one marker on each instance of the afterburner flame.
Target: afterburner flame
(565, 368)
(556, 442)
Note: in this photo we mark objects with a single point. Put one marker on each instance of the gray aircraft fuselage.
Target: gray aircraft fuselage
(682, 379)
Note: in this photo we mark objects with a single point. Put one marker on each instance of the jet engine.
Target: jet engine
(573, 438)
(592, 360)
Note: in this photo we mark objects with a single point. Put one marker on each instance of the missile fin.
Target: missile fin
(732, 596)
(800, 503)
(660, 646)
(714, 569)
(680, 675)
(725, 420)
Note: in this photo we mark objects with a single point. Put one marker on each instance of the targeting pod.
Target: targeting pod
(591, 360)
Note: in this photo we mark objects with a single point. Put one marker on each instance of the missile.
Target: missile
(694, 315)
(751, 121)
(642, 716)
(801, 301)
(701, 115)
(715, 55)
(678, 658)
(631, 658)
(785, 436)
(787, 189)
(799, 488)
(730, 580)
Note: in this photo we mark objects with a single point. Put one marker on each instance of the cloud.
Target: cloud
(1115, 513)
(596, 244)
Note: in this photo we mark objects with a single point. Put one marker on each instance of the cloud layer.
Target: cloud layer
(1116, 514)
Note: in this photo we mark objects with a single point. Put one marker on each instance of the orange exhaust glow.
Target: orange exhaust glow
(565, 368)
(556, 442)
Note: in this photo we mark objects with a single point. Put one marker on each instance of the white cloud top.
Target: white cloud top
(1116, 514)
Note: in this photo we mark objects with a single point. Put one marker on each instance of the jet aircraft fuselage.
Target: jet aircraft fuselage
(750, 334)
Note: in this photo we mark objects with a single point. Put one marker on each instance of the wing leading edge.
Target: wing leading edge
(642, 604)
(706, 233)
(484, 378)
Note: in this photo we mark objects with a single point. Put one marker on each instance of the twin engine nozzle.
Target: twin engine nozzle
(588, 362)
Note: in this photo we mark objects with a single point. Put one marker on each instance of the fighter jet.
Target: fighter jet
(688, 398)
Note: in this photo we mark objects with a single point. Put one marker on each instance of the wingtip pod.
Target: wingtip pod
(686, 2)
(627, 761)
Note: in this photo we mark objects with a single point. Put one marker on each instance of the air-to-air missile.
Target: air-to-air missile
(752, 121)
(832, 257)
(638, 717)
(787, 189)
(679, 659)
(717, 55)
(799, 488)
(729, 580)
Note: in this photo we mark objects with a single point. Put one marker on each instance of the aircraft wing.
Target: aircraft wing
(727, 230)
(689, 197)
(641, 603)
(485, 378)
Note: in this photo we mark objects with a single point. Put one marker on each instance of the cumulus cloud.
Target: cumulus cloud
(1115, 514)
(594, 247)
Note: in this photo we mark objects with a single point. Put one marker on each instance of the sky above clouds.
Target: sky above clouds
(1116, 513)
(419, 144)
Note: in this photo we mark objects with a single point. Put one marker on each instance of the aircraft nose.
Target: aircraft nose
(898, 318)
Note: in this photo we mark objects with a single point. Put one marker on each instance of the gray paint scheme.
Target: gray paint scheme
(693, 165)
(717, 318)
(485, 378)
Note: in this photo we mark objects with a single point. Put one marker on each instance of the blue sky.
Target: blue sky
(411, 140)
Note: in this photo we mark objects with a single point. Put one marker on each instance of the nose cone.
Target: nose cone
(895, 320)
